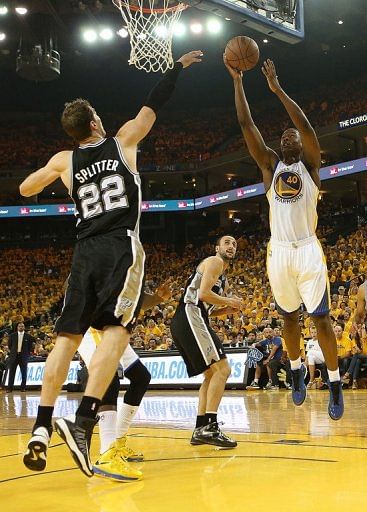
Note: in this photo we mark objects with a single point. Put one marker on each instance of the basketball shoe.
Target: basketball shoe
(298, 385)
(126, 452)
(36, 455)
(195, 440)
(336, 402)
(111, 464)
(212, 434)
(77, 431)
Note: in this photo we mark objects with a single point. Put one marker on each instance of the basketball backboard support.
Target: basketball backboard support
(266, 16)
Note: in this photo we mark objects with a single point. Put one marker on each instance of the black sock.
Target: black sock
(44, 417)
(200, 421)
(210, 417)
(88, 407)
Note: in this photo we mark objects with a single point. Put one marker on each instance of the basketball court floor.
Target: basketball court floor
(287, 459)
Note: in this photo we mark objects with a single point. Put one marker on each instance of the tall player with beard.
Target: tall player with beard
(199, 345)
(296, 263)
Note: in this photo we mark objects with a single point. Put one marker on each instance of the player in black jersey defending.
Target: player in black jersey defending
(199, 345)
(107, 274)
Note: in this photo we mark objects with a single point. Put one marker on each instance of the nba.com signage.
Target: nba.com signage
(352, 121)
(165, 369)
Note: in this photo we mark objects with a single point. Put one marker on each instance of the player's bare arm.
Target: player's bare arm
(361, 306)
(162, 294)
(57, 167)
(311, 147)
(134, 131)
(264, 156)
(211, 269)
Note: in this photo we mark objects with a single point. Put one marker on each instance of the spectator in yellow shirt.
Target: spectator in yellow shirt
(344, 347)
(359, 351)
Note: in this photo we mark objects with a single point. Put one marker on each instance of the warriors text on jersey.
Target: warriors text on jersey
(191, 293)
(293, 201)
(106, 192)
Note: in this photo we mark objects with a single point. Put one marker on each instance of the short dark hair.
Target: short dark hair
(220, 238)
(76, 119)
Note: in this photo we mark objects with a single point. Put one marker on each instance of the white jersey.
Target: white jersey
(292, 200)
(313, 345)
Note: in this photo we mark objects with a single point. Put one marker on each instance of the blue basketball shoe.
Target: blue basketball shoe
(298, 385)
(336, 402)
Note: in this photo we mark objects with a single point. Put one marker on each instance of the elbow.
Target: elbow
(24, 191)
(203, 296)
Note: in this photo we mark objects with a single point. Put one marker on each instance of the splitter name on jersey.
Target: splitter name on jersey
(104, 165)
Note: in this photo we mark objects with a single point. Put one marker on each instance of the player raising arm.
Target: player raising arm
(296, 264)
(106, 280)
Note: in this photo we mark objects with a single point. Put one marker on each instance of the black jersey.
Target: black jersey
(191, 293)
(106, 193)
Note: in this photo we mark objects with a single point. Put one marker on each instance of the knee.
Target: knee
(322, 323)
(208, 374)
(225, 369)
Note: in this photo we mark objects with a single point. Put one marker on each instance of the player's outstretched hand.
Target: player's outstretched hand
(235, 302)
(164, 291)
(271, 75)
(191, 57)
(233, 72)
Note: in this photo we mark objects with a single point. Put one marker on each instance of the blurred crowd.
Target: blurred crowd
(182, 138)
(31, 291)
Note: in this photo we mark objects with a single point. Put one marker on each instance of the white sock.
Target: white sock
(125, 416)
(256, 380)
(107, 429)
(334, 375)
(296, 365)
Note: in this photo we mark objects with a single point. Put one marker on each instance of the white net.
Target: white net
(151, 29)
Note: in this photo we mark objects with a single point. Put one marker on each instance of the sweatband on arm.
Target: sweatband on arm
(162, 92)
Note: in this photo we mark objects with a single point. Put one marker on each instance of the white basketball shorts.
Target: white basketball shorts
(298, 273)
(89, 344)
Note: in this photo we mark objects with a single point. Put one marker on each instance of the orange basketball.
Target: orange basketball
(242, 53)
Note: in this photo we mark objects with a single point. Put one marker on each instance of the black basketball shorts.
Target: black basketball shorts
(105, 286)
(196, 341)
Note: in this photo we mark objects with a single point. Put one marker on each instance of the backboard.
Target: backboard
(282, 19)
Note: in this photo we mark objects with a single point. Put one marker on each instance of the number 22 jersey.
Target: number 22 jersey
(106, 192)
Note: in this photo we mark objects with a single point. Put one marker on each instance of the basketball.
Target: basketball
(242, 53)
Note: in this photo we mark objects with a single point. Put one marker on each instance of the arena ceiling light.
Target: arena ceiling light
(90, 35)
(21, 10)
(123, 32)
(161, 31)
(340, 22)
(265, 41)
(179, 29)
(196, 28)
(3, 10)
(214, 26)
(2, 36)
(106, 34)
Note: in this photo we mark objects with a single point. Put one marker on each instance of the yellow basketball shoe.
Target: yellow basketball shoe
(111, 465)
(126, 452)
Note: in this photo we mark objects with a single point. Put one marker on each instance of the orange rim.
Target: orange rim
(146, 10)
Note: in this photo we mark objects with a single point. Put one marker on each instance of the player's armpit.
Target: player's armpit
(38, 180)
(133, 131)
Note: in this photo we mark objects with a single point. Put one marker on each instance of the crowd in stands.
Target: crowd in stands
(31, 290)
(183, 137)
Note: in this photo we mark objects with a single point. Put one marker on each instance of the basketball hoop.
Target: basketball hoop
(150, 27)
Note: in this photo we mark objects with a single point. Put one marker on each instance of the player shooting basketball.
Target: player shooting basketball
(296, 263)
